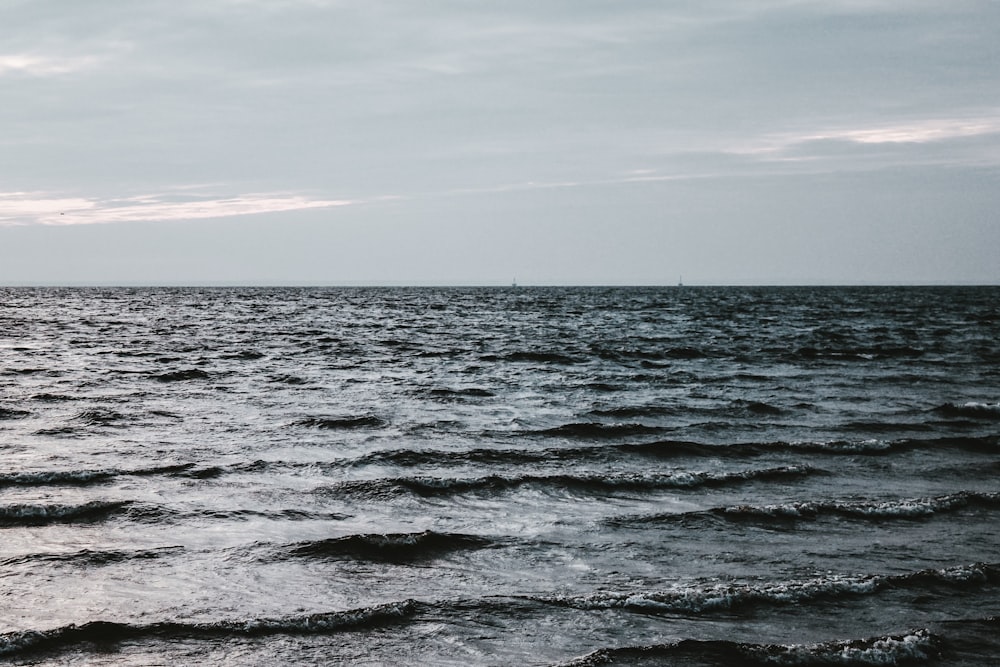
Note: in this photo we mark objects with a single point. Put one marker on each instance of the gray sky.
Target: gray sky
(453, 141)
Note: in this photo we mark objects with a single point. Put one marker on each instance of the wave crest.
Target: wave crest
(613, 483)
(182, 375)
(14, 643)
(913, 647)
(388, 547)
(970, 410)
(39, 515)
(342, 423)
(782, 513)
(723, 596)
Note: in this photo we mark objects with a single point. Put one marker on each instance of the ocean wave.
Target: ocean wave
(169, 469)
(758, 407)
(609, 483)
(885, 426)
(862, 354)
(13, 413)
(685, 353)
(637, 411)
(99, 417)
(182, 375)
(730, 596)
(342, 423)
(669, 449)
(105, 632)
(54, 478)
(47, 397)
(738, 408)
(387, 547)
(597, 430)
(288, 379)
(985, 444)
(911, 648)
(541, 358)
(192, 471)
(605, 387)
(412, 458)
(447, 394)
(625, 354)
(660, 449)
(38, 515)
(149, 513)
(519, 457)
(58, 431)
(249, 355)
(26, 371)
(970, 410)
(246, 514)
(91, 556)
(84, 477)
(208, 472)
(868, 447)
(869, 510)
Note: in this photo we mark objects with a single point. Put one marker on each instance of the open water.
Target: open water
(531, 476)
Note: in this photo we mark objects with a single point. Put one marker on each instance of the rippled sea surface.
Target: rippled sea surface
(531, 476)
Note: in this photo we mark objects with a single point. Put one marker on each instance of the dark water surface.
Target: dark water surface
(690, 476)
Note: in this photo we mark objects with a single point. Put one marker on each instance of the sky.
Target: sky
(478, 142)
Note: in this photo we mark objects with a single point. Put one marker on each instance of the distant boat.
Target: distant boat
(680, 281)
(514, 283)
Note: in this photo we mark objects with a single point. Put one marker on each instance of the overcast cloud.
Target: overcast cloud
(583, 141)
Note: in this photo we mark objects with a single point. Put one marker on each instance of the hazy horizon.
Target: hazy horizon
(473, 285)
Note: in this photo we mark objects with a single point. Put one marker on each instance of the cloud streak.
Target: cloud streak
(970, 140)
(43, 65)
(22, 208)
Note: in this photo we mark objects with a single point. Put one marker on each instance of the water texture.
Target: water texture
(475, 476)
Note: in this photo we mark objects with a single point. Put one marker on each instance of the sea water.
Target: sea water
(496, 476)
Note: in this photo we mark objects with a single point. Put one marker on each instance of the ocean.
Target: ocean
(500, 476)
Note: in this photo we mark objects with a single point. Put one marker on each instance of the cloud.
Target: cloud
(919, 132)
(388, 96)
(21, 208)
(39, 208)
(44, 65)
(972, 141)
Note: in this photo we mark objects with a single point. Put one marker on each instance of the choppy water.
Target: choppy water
(701, 476)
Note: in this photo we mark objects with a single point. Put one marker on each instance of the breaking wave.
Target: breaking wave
(971, 410)
(722, 596)
(912, 648)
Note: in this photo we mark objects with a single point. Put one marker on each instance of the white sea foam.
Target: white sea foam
(916, 646)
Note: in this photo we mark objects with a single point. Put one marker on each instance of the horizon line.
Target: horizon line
(471, 284)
